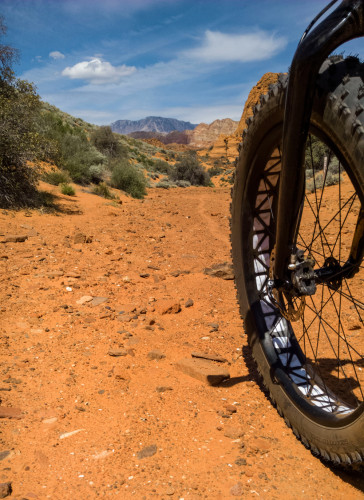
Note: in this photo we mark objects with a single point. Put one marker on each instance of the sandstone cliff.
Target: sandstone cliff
(205, 135)
(234, 138)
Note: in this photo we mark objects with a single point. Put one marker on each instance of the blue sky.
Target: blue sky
(195, 60)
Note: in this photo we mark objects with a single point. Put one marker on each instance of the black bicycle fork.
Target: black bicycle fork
(343, 24)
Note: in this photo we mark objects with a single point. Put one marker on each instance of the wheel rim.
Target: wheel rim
(321, 355)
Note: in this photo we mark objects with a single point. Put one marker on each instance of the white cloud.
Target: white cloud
(56, 55)
(98, 72)
(221, 47)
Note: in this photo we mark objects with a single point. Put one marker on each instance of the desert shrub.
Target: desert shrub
(103, 190)
(162, 167)
(334, 166)
(165, 184)
(78, 157)
(332, 178)
(309, 173)
(127, 178)
(56, 177)
(107, 143)
(215, 170)
(183, 184)
(189, 168)
(67, 189)
(19, 142)
(69, 148)
(96, 173)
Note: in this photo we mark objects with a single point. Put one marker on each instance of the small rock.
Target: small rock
(203, 370)
(144, 275)
(84, 299)
(148, 451)
(163, 388)
(49, 421)
(214, 327)
(4, 454)
(169, 491)
(72, 274)
(69, 434)
(189, 303)
(240, 462)
(55, 274)
(5, 490)
(223, 270)
(175, 274)
(81, 238)
(10, 412)
(354, 326)
(14, 238)
(260, 445)
(117, 352)
(230, 408)
(237, 490)
(233, 432)
(169, 307)
(156, 354)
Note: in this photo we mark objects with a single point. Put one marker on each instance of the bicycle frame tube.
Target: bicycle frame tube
(343, 24)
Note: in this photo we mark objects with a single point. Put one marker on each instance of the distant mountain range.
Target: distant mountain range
(201, 136)
(151, 124)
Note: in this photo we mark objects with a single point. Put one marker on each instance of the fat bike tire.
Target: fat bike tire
(312, 367)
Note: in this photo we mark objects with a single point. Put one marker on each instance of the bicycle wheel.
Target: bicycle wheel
(311, 359)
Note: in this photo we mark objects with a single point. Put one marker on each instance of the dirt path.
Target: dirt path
(99, 407)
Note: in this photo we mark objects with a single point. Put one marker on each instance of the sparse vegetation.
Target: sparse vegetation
(161, 166)
(215, 170)
(103, 190)
(127, 178)
(56, 177)
(67, 189)
(19, 142)
(107, 143)
(165, 184)
(189, 168)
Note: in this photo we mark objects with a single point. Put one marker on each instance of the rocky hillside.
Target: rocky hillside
(233, 139)
(205, 135)
(151, 124)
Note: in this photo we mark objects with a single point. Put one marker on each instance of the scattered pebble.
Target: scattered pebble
(237, 490)
(5, 490)
(69, 434)
(84, 299)
(233, 432)
(148, 451)
(117, 352)
(156, 354)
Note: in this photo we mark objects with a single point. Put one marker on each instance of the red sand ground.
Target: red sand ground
(85, 415)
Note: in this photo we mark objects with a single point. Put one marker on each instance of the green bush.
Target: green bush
(57, 177)
(69, 148)
(96, 173)
(19, 141)
(332, 178)
(183, 184)
(189, 168)
(103, 190)
(165, 184)
(107, 143)
(127, 178)
(215, 170)
(162, 167)
(67, 189)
